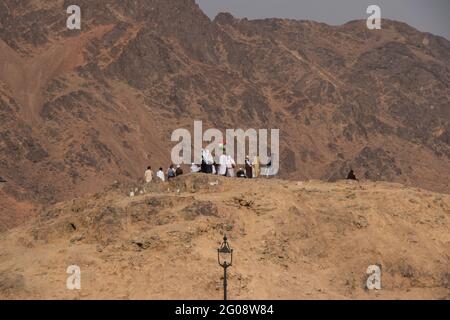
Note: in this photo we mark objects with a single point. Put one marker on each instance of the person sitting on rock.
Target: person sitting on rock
(195, 168)
(241, 173)
(351, 176)
(148, 175)
(179, 171)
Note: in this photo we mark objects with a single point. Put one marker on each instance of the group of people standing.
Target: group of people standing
(226, 166)
(172, 172)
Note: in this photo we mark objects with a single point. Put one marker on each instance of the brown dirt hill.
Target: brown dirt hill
(306, 240)
(80, 109)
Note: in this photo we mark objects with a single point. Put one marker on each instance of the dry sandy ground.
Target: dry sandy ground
(292, 240)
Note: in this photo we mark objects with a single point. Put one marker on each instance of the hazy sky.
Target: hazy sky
(426, 15)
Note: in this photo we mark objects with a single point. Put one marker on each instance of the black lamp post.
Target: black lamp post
(225, 259)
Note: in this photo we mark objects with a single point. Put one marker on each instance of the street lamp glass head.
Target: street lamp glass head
(225, 253)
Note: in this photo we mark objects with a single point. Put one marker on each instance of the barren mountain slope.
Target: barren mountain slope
(80, 109)
(308, 240)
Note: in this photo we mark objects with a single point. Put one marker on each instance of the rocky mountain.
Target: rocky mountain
(309, 240)
(82, 108)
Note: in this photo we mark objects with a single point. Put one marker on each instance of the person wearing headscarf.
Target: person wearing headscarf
(230, 166)
(179, 171)
(256, 167)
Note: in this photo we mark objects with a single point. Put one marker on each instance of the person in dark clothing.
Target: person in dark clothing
(203, 167)
(241, 173)
(179, 171)
(248, 168)
(208, 159)
(351, 176)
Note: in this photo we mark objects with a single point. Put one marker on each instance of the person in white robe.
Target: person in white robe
(148, 175)
(160, 174)
(195, 168)
(230, 166)
(223, 165)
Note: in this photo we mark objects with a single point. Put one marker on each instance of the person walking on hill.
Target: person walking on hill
(160, 174)
(148, 175)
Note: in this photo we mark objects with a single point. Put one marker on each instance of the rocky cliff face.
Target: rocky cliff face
(80, 109)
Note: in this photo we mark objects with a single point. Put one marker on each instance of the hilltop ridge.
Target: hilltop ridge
(292, 240)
